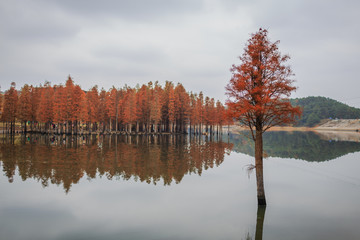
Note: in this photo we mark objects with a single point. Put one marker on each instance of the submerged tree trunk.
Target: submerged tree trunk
(260, 222)
(259, 168)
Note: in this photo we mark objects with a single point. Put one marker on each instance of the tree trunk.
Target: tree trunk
(259, 168)
(25, 130)
(155, 127)
(75, 128)
(110, 125)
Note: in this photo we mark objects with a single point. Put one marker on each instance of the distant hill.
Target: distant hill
(316, 109)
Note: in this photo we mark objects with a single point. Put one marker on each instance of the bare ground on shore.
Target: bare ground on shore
(328, 126)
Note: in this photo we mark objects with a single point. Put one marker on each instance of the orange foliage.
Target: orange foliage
(150, 108)
(24, 104)
(45, 110)
(260, 86)
(60, 107)
(10, 104)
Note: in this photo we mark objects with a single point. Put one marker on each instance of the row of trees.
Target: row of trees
(150, 108)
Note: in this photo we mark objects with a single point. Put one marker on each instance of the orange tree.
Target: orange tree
(258, 94)
(10, 106)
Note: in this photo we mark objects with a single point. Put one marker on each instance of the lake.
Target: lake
(179, 187)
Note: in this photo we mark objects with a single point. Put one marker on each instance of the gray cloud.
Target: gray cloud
(321, 37)
(26, 23)
(139, 55)
(193, 42)
(135, 10)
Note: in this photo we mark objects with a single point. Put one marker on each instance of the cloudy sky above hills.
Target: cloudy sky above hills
(195, 42)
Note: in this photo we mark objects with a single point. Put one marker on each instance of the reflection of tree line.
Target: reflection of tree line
(61, 160)
(300, 145)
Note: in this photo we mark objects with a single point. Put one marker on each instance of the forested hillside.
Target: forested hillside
(316, 109)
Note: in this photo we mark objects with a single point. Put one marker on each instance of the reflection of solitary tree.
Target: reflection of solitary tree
(257, 92)
(260, 222)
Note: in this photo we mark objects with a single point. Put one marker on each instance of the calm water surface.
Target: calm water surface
(174, 187)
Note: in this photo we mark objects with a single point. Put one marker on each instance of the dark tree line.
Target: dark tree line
(316, 109)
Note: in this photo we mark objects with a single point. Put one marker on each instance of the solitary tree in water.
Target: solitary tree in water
(258, 92)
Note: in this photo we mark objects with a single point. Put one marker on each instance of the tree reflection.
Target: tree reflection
(309, 146)
(259, 224)
(65, 160)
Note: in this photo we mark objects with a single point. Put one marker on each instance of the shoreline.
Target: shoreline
(235, 128)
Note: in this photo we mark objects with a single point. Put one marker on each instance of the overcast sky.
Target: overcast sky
(194, 42)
